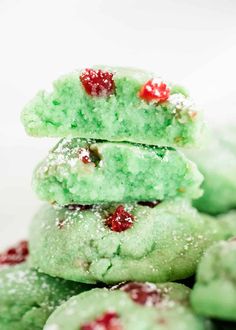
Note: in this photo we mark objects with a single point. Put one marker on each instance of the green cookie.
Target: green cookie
(125, 105)
(90, 172)
(227, 223)
(113, 243)
(217, 162)
(129, 310)
(27, 297)
(214, 293)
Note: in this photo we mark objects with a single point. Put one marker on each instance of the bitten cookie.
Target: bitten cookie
(214, 293)
(116, 243)
(138, 306)
(115, 104)
(90, 172)
(27, 297)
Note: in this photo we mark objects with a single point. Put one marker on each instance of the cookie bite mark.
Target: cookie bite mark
(15, 255)
(97, 82)
(89, 156)
(143, 293)
(154, 90)
(120, 220)
(108, 321)
(151, 204)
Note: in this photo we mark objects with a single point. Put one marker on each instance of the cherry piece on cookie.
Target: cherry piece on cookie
(15, 255)
(84, 155)
(120, 220)
(108, 321)
(142, 293)
(154, 90)
(97, 82)
(87, 156)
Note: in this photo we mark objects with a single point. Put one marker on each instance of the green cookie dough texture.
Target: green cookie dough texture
(214, 293)
(27, 297)
(164, 243)
(121, 172)
(122, 116)
(217, 162)
(86, 307)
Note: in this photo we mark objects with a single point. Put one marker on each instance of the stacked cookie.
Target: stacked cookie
(119, 190)
(118, 209)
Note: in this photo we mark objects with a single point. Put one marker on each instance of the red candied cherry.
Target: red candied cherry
(84, 155)
(97, 82)
(120, 220)
(15, 255)
(154, 90)
(142, 293)
(108, 321)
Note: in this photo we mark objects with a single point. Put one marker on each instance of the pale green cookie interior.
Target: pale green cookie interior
(88, 306)
(27, 297)
(125, 173)
(69, 111)
(214, 294)
(217, 162)
(165, 243)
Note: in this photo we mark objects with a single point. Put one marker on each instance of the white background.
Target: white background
(186, 41)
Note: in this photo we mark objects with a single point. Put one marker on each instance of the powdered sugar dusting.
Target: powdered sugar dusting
(182, 105)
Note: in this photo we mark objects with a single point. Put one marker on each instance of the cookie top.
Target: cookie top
(115, 104)
(114, 243)
(147, 306)
(28, 297)
(214, 293)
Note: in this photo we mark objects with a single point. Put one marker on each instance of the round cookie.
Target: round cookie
(217, 162)
(115, 243)
(90, 172)
(115, 104)
(135, 306)
(214, 294)
(27, 297)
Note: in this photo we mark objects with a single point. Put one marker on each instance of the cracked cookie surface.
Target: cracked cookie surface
(164, 243)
